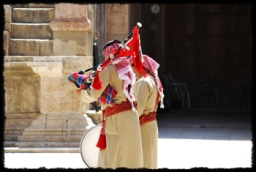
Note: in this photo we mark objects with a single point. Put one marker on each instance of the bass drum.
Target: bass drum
(88, 149)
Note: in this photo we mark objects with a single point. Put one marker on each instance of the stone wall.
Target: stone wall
(47, 42)
(41, 106)
(118, 24)
(112, 23)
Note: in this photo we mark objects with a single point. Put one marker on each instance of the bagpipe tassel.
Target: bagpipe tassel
(102, 140)
(96, 84)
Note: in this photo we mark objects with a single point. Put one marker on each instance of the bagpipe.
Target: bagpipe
(129, 47)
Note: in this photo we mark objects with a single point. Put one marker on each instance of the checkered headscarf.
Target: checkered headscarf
(123, 68)
(152, 66)
(110, 47)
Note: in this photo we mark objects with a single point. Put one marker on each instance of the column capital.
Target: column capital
(70, 17)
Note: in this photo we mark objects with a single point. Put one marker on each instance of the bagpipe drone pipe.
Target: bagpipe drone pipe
(130, 47)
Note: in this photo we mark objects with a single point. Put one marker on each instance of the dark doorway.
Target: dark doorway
(198, 40)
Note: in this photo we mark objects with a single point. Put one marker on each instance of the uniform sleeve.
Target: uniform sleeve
(91, 95)
(142, 92)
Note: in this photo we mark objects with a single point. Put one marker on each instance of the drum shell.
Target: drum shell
(88, 149)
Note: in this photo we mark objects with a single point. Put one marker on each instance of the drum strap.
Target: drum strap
(109, 111)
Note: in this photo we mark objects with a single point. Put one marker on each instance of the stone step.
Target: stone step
(47, 144)
(40, 5)
(31, 47)
(24, 59)
(15, 124)
(12, 132)
(19, 5)
(19, 58)
(31, 31)
(42, 150)
(11, 137)
(9, 143)
(43, 138)
(21, 115)
(32, 15)
(32, 5)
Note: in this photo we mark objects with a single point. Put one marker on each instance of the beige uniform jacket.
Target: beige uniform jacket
(145, 92)
(123, 136)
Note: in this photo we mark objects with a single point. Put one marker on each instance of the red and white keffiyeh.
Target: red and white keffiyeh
(111, 48)
(152, 66)
(115, 49)
(126, 74)
(117, 53)
(124, 69)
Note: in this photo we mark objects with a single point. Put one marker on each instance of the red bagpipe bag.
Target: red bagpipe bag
(80, 80)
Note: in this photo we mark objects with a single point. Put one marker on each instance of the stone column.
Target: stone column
(71, 30)
(7, 28)
(118, 21)
(57, 95)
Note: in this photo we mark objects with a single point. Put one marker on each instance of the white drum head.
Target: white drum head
(88, 149)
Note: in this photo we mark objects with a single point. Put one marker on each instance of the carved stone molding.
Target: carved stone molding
(70, 17)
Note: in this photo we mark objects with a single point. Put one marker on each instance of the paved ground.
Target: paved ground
(210, 138)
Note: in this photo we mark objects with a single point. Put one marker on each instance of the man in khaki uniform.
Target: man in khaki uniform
(148, 92)
(121, 127)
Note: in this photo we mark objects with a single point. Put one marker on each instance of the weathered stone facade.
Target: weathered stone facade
(43, 43)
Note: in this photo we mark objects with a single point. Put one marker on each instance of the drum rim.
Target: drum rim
(82, 141)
